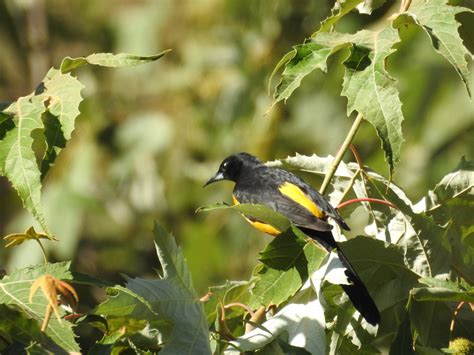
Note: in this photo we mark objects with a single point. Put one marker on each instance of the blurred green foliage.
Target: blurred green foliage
(149, 137)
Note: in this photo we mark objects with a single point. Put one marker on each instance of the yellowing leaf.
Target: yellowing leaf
(55, 291)
(30, 234)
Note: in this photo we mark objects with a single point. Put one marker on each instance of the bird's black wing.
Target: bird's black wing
(316, 197)
(263, 187)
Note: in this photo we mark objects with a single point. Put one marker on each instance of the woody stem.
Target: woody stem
(345, 145)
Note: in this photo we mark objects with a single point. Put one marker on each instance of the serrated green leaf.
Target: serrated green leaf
(437, 19)
(302, 319)
(284, 268)
(14, 290)
(367, 85)
(171, 299)
(371, 91)
(62, 95)
(455, 184)
(17, 159)
(339, 10)
(15, 326)
(108, 60)
(54, 106)
(258, 212)
(304, 59)
(443, 290)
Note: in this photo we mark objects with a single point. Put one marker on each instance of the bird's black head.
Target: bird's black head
(232, 166)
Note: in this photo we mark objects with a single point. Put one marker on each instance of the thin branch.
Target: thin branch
(43, 251)
(366, 199)
(340, 154)
(241, 305)
(349, 187)
(453, 320)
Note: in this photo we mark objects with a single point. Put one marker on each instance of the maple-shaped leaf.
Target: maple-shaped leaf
(371, 91)
(169, 303)
(52, 109)
(437, 19)
(15, 291)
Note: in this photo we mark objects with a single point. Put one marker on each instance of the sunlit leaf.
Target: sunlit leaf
(302, 319)
(30, 234)
(15, 290)
(339, 10)
(368, 6)
(284, 269)
(437, 19)
(372, 92)
(109, 60)
(168, 300)
(17, 159)
(62, 95)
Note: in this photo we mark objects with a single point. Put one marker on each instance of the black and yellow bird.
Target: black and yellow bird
(286, 193)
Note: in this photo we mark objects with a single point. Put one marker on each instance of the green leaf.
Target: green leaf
(14, 291)
(230, 292)
(54, 106)
(258, 212)
(15, 326)
(372, 92)
(339, 10)
(367, 85)
(443, 290)
(284, 269)
(109, 60)
(304, 59)
(459, 182)
(437, 19)
(302, 319)
(171, 299)
(62, 95)
(403, 343)
(431, 320)
(17, 159)
(382, 268)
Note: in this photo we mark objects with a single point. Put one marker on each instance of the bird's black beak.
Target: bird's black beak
(219, 176)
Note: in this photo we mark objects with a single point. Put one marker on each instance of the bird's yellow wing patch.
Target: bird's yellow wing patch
(263, 227)
(297, 195)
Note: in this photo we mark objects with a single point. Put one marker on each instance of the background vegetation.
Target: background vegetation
(149, 137)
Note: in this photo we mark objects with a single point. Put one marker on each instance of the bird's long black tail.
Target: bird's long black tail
(357, 292)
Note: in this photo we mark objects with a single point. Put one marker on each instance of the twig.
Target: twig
(349, 187)
(366, 199)
(241, 305)
(340, 154)
(43, 251)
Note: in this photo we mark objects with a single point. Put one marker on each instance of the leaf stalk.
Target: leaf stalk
(340, 154)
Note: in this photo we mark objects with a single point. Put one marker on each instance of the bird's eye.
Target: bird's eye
(224, 165)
